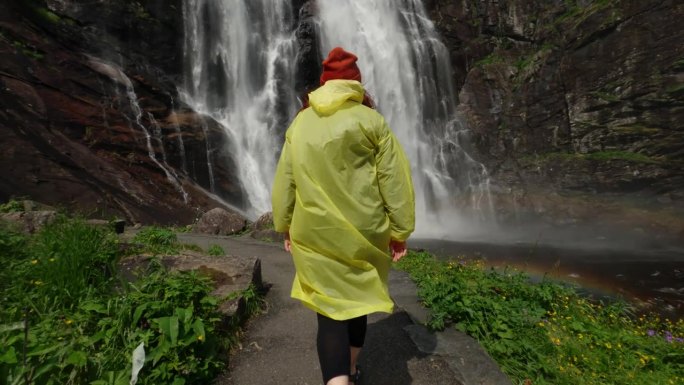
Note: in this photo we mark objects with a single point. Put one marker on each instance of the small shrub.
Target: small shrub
(12, 207)
(85, 336)
(216, 250)
(157, 240)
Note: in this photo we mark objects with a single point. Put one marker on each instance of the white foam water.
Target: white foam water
(240, 70)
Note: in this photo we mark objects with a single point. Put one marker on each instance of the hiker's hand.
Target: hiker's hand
(398, 249)
(287, 243)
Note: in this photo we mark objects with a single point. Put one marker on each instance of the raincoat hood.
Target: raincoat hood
(328, 98)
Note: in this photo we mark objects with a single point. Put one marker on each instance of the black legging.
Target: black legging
(333, 341)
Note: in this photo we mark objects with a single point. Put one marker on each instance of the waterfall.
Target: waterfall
(240, 57)
(138, 115)
(179, 136)
(406, 69)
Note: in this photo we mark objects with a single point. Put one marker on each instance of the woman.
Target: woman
(343, 196)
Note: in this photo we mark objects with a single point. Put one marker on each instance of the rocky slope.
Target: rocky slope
(576, 107)
(90, 116)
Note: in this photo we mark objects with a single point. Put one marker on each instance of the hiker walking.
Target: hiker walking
(343, 196)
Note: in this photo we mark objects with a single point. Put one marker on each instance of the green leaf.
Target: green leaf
(185, 315)
(94, 307)
(169, 327)
(44, 369)
(138, 313)
(113, 378)
(9, 357)
(198, 327)
(77, 358)
(44, 351)
(178, 381)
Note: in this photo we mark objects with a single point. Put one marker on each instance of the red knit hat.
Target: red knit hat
(340, 64)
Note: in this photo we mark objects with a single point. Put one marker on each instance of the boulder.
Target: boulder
(263, 229)
(229, 273)
(219, 221)
(30, 221)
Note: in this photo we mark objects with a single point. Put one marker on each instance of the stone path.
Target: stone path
(279, 345)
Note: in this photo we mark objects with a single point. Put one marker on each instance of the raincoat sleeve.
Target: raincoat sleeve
(396, 186)
(283, 193)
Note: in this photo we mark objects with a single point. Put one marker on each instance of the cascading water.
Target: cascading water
(406, 68)
(240, 57)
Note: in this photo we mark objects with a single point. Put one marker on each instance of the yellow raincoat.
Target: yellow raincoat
(342, 189)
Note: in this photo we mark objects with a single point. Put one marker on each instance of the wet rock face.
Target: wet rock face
(150, 30)
(582, 99)
(99, 129)
(309, 56)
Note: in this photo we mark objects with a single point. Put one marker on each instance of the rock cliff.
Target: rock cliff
(575, 107)
(90, 116)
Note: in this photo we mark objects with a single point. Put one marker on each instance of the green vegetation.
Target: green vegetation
(216, 250)
(46, 15)
(28, 50)
(158, 240)
(678, 65)
(579, 13)
(606, 96)
(546, 333)
(620, 155)
(67, 318)
(595, 156)
(675, 89)
(12, 206)
(72, 260)
(492, 58)
(637, 129)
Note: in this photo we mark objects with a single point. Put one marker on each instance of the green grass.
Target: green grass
(157, 240)
(490, 59)
(61, 288)
(546, 333)
(72, 259)
(216, 250)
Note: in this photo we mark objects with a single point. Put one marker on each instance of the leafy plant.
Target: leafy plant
(157, 240)
(216, 250)
(546, 333)
(11, 207)
(50, 335)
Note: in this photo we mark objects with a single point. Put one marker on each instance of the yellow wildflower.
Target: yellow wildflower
(200, 337)
(34, 262)
(68, 321)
